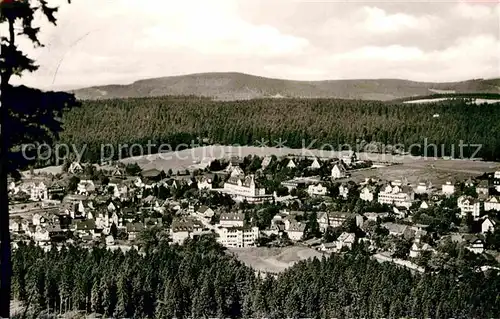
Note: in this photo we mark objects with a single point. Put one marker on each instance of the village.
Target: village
(263, 202)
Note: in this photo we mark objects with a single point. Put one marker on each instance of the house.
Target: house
(423, 188)
(85, 187)
(133, 229)
(41, 234)
(295, 231)
(348, 157)
(393, 194)
(75, 168)
(315, 164)
(338, 171)
(238, 237)
(205, 211)
(56, 189)
(242, 188)
(317, 190)
(417, 248)
(232, 220)
(492, 203)
(39, 192)
(496, 175)
(183, 229)
(399, 230)
(470, 182)
(15, 224)
(483, 188)
(475, 244)
(375, 216)
(336, 219)
(265, 162)
(344, 190)
(400, 212)
(488, 225)
(468, 204)
(367, 193)
(345, 240)
(448, 189)
(110, 240)
(291, 164)
(425, 204)
(205, 184)
(298, 182)
(328, 247)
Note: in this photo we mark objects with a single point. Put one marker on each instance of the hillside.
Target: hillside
(239, 86)
(297, 122)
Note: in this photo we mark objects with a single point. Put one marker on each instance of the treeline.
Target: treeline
(200, 280)
(468, 96)
(298, 122)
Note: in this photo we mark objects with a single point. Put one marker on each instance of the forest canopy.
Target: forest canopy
(176, 120)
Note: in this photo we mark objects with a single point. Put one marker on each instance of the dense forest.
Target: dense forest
(200, 280)
(176, 120)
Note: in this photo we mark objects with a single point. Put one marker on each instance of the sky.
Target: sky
(100, 42)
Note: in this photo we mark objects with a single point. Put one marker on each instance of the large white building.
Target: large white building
(469, 204)
(396, 195)
(238, 237)
(244, 188)
(317, 190)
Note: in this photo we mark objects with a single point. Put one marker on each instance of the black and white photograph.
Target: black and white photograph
(255, 159)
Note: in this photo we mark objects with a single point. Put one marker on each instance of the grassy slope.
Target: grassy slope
(235, 86)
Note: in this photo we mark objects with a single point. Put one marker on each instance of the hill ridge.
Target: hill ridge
(243, 86)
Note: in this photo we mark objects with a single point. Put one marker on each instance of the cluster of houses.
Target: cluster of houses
(115, 213)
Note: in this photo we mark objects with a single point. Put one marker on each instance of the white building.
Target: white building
(448, 189)
(315, 164)
(343, 190)
(492, 203)
(496, 175)
(345, 240)
(488, 225)
(183, 229)
(367, 193)
(85, 187)
(245, 188)
(237, 236)
(39, 192)
(338, 171)
(232, 220)
(396, 195)
(291, 164)
(205, 184)
(75, 168)
(469, 204)
(348, 157)
(417, 248)
(423, 188)
(317, 190)
(295, 231)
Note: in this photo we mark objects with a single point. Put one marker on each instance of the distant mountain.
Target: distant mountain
(239, 86)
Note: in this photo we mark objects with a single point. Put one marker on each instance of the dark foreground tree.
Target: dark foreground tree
(26, 115)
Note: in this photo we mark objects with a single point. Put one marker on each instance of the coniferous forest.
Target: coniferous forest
(176, 120)
(200, 280)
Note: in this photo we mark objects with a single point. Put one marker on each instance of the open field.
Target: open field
(273, 260)
(415, 169)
